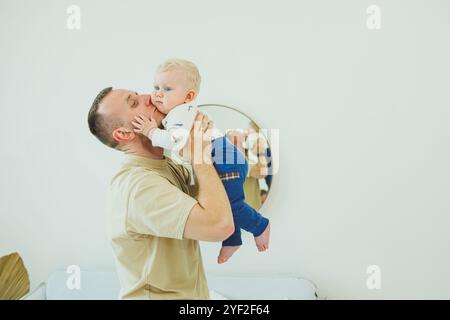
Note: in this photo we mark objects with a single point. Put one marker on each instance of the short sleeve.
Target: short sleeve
(193, 187)
(157, 207)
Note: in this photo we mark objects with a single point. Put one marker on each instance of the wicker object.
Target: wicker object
(14, 281)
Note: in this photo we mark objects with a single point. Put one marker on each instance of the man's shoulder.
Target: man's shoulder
(178, 168)
(131, 176)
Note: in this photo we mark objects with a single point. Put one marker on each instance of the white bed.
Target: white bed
(104, 285)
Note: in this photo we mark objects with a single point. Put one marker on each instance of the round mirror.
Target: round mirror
(248, 137)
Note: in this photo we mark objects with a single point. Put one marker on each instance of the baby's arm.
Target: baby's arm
(149, 128)
(178, 124)
(144, 126)
(162, 138)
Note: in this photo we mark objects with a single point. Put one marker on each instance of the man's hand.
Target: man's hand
(143, 125)
(198, 147)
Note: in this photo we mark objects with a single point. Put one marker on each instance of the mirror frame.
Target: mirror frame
(245, 115)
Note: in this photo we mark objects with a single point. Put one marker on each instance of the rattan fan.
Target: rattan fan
(14, 281)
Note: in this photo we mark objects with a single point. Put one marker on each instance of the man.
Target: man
(155, 221)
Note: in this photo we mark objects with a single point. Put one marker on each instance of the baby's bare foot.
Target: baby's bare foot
(262, 241)
(225, 253)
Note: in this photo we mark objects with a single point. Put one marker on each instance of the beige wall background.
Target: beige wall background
(363, 118)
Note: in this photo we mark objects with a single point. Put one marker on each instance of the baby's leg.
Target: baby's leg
(230, 246)
(232, 167)
(252, 221)
(224, 155)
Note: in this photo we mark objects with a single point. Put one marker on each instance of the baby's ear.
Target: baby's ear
(190, 95)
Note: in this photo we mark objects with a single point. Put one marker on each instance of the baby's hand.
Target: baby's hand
(143, 125)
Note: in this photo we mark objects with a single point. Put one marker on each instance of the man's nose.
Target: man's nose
(147, 100)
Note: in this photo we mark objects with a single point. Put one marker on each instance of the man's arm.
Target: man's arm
(211, 218)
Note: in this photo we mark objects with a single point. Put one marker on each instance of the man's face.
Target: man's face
(124, 105)
(170, 90)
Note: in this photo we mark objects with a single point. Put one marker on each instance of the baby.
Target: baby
(176, 85)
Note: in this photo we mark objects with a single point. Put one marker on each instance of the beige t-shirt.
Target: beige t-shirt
(149, 206)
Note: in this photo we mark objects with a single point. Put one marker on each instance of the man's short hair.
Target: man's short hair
(102, 126)
(188, 68)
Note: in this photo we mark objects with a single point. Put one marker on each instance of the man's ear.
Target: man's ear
(191, 95)
(123, 134)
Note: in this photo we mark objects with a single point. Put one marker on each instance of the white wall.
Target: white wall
(363, 114)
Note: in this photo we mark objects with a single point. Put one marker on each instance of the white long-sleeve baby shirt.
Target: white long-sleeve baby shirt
(177, 126)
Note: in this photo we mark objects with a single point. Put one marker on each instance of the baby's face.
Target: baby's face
(170, 90)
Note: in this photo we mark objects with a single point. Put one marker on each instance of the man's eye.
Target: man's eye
(135, 103)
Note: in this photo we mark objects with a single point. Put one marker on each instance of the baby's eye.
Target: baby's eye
(167, 89)
(156, 87)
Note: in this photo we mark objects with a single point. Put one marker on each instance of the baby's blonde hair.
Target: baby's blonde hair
(188, 68)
